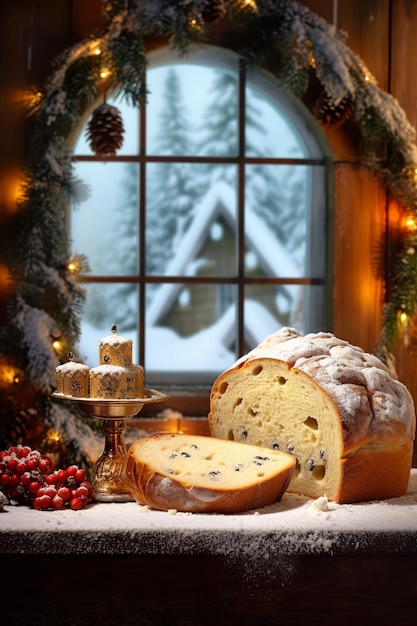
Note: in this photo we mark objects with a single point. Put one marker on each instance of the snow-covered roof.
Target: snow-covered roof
(220, 200)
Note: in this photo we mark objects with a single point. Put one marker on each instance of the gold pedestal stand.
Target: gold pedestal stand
(108, 478)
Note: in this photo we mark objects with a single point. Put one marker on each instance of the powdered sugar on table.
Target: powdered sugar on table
(296, 525)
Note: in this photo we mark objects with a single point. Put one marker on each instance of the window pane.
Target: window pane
(192, 110)
(130, 117)
(105, 227)
(190, 220)
(108, 304)
(274, 122)
(268, 307)
(277, 198)
(268, 131)
(191, 328)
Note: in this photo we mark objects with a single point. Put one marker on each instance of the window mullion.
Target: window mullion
(241, 211)
(142, 232)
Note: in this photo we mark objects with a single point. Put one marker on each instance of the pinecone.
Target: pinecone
(105, 130)
(329, 113)
(213, 11)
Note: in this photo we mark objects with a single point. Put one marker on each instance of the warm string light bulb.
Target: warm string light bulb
(410, 223)
(250, 3)
(9, 374)
(403, 318)
(77, 264)
(95, 47)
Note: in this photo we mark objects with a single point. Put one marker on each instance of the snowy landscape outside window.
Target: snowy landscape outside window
(207, 231)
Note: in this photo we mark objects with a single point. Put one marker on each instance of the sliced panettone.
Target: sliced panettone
(202, 474)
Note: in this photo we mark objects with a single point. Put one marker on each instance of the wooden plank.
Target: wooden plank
(359, 230)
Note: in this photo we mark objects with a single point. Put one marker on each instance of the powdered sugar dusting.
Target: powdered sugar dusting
(115, 340)
(264, 537)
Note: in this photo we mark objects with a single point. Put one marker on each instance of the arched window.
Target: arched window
(209, 229)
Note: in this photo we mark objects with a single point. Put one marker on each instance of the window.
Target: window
(207, 231)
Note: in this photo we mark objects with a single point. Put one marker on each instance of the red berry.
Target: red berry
(34, 487)
(80, 475)
(4, 480)
(71, 470)
(57, 502)
(61, 475)
(42, 503)
(81, 492)
(65, 493)
(45, 465)
(51, 479)
(23, 451)
(76, 504)
(21, 467)
(26, 478)
(11, 464)
(31, 464)
(14, 479)
(48, 491)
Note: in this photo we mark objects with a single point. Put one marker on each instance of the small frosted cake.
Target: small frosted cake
(115, 350)
(116, 382)
(72, 378)
(116, 377)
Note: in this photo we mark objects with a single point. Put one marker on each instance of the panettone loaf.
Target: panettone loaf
(202, 474)
(348, 423)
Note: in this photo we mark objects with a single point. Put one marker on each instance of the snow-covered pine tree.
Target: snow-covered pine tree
(169, 205)
(124, 241)
(274, 192)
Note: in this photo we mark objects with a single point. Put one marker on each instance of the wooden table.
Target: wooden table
(298, 561)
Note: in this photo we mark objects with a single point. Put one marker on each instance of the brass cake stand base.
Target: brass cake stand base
(108, 477)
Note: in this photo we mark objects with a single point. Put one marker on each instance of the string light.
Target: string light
(251, 4)
(31, 98)
(403, 318)
(9, 374)
(411, 223)
(95, 47)
(78, 264)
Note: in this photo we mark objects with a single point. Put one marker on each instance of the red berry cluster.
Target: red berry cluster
(26, 477)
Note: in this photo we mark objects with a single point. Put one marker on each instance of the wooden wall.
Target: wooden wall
(381, 32)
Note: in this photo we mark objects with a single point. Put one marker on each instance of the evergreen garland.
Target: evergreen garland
(283, 36)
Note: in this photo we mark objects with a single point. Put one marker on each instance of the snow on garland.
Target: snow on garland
(282, 34)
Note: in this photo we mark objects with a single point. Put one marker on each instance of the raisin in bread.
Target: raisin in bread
(349, 424)
(202, 474)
